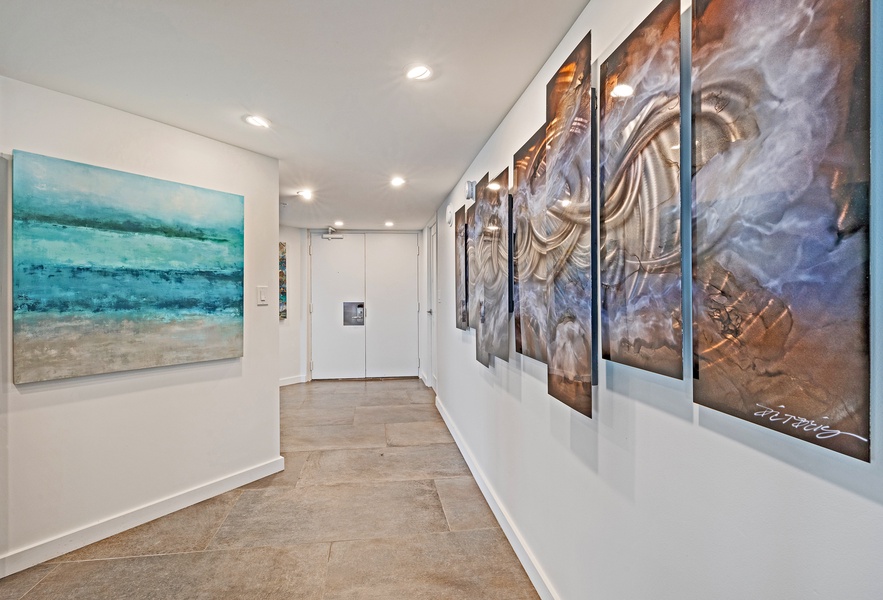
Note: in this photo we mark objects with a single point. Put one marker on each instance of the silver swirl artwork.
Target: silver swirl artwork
(781, 209)
(639, 131)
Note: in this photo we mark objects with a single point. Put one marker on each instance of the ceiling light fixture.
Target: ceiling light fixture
(493, 186)
(305, 194)
(257, 121)
(397, 181)
(338, 223)
(565, 203)
(389, 223)
(419, 72)
(623, 90)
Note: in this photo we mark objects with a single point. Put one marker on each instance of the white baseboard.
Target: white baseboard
(292, 380)
(19, 560)
(536, 574)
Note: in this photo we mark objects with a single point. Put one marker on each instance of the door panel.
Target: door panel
(338, 276)
(391, 304)
(434, 303)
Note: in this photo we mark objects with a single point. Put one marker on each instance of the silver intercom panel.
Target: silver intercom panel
(354, 313)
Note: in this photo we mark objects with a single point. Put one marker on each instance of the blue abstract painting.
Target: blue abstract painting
(114, 271)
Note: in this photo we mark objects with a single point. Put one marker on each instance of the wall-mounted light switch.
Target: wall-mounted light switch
(263, 292)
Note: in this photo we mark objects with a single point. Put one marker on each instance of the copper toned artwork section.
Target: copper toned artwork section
(492, 267)
(781, 208)
(476, 299)
(640, 197)
(461, 309)
(531, 281)
(567, 231)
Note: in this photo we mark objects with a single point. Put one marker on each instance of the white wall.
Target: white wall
(654, 497)
(87, 457)
(293, 330)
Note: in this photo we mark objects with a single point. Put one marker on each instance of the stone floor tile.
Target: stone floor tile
(407, 383)
(286, 516)
(337, 386)
(187, 530)
(395, 414)
(406, 521)
(294, 462)
(464, 504)
(383, 464)
(418, 433)
(290, 397)
(295, 573)
(424, 396)
(352, 400)
(313, 416)
(463, 565)
(17, 585)
(325, 437)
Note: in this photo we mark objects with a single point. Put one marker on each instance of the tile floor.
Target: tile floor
(375, 503)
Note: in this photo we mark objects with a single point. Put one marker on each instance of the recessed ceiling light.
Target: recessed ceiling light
(419, 72)
(338, 223)
(493, 186)
(389, 223)
(565, 203)
(623, 90)
(305, 194)
(397, 181)
(257, 121)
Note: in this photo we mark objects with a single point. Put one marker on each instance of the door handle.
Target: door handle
(429, 312)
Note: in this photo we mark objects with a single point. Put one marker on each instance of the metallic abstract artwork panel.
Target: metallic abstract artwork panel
(461, 309)
(283, 281)
(492, 267)
(568, 235)
(114, 271)
(640, 217)
(530, 264)
(781, 209)
(475, 301)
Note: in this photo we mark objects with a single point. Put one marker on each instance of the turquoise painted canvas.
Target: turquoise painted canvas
(114, 271)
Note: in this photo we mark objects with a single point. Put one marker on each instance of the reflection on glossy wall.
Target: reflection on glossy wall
(782, 169)
(639, 133)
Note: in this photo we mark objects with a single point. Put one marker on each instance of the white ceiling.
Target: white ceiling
(329, 74)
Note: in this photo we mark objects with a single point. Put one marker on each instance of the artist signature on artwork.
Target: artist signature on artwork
(822, 431)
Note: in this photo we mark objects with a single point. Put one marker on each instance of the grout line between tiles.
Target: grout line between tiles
(442, 504)
(48, 573)
(224, 520)
(327, 567)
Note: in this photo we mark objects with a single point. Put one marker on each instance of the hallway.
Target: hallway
(375, 502)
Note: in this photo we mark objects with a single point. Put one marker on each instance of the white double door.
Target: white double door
(378, 271)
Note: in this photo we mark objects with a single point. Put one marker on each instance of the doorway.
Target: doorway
(363, 305)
